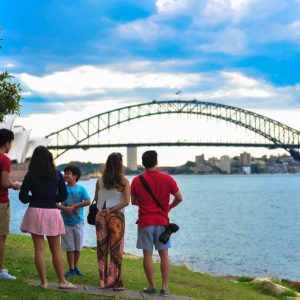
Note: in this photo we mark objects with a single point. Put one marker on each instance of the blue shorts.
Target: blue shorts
(148, 236)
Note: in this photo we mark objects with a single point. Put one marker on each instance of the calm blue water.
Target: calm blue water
(237, 225)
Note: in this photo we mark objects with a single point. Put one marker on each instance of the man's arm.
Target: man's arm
(7, 183)
(177, 199)
(133, 193)
(134, 200)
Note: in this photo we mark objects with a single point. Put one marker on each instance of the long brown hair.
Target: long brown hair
(41, 165)
(113, 175)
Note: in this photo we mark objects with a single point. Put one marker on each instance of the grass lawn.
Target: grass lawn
(20, 261)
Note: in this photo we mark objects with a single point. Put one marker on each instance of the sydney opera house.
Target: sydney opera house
(22, 147)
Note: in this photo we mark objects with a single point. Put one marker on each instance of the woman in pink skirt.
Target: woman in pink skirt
(42, 188)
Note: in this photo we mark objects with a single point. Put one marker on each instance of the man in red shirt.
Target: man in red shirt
(6, 138)
(152, 219)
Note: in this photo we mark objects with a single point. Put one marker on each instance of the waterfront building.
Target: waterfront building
(245, 159)
(213, 161)
(246, 170)
(200, 159)
(201, 165)
(224, 164)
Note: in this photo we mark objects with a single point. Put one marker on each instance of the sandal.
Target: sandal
(67, 286)
(43, 285)
(119, 288)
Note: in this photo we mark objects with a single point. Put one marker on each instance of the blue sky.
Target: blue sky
(91, 55)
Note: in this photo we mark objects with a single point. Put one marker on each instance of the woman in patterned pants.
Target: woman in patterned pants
(112, 195)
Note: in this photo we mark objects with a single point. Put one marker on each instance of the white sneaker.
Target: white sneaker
(4, 274)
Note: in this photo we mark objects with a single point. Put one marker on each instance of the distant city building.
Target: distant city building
(201, 165)
(200, 159)
(245, 159)
(246, 170)
(213, 161)
(132, 158)
(225, 163)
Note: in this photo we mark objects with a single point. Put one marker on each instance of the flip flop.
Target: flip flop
(43, 286)
(67, 286)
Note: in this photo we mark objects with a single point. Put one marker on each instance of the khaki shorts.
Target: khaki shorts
(72, 240)
(4, 218)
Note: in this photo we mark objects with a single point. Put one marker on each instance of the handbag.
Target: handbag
(172, 227)
(93, 210)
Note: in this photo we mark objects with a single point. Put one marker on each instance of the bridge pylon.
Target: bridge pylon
(132, 158)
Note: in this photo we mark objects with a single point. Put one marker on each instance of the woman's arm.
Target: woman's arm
(96, 191)
(126, 198)
(62, 193)
(24, 192)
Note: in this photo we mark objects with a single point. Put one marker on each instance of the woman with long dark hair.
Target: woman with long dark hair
(112, 195)
(42, 188)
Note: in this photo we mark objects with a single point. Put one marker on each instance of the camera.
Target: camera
(165, 236)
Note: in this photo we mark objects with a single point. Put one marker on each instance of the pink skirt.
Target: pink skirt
(43, 221)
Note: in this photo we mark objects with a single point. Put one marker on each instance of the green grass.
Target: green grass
(20, 261)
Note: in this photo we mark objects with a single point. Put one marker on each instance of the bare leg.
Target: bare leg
(39, 255)
(2, 247)
(71, 259)
(54, 246)
(164, 267)
(76, 258)
(148, 267)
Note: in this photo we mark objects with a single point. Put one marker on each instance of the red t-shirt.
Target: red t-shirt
(4, 167)
(162, 186)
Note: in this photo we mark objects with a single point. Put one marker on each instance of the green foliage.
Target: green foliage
(244, 279)
(85, 167)
(265, 288)
(10, 95)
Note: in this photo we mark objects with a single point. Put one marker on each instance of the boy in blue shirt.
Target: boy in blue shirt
(72, 213)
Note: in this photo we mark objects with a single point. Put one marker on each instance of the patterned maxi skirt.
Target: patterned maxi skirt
(110, 229)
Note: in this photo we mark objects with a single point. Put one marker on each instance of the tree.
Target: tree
(10, 94)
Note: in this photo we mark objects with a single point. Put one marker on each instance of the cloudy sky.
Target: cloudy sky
(78, 58)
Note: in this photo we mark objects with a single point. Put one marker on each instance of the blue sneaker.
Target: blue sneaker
(78, 272)
(149, 290)
(164, 292)
(70, 273)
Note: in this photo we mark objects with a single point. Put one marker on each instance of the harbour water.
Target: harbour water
(229, 224)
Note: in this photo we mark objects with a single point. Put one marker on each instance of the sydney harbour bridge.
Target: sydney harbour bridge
(78, 135)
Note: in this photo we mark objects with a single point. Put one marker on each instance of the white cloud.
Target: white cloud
(146, 30)
(89, 80)
(234, 27)
(174, 7)
(230, 41)
(232, 11)
(136, 81)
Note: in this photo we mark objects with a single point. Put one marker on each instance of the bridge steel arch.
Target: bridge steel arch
(77, 135)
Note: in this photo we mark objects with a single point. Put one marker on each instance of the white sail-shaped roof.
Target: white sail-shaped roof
(22, 146)
(8, 122)
(33, 143)
(17, 151)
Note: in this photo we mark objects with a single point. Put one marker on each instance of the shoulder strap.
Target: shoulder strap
(148, 189)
